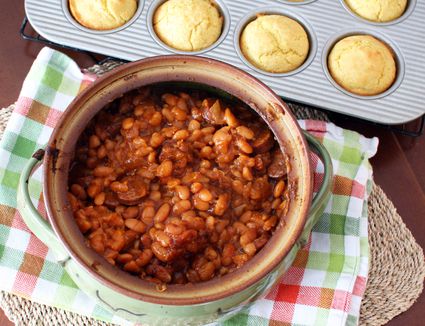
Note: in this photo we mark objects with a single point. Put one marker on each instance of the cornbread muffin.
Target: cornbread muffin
(188, 25)
(102, 14)
(362, 65)
(275, 43)
(378, 10)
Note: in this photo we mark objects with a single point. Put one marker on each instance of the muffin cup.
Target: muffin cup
(73, 21)
(270, 10)
(398, 57)
(409, 9)
(225, 30)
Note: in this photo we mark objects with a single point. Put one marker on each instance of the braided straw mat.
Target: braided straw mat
(396, 274)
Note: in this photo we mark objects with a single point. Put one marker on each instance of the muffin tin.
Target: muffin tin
(326, 22)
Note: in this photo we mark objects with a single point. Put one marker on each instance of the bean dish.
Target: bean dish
(178, 187)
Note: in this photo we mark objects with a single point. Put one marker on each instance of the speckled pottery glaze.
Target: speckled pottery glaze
(126, 295)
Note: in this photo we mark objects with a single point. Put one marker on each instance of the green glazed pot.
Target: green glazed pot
(126, 295)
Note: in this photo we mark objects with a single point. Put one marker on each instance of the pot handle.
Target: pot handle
(322, 197)
(32, 218)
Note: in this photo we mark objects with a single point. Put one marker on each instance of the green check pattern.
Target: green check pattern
(323, 286)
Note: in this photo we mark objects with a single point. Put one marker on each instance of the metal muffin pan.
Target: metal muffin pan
(325, 21)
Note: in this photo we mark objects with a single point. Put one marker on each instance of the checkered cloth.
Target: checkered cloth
(324, 285)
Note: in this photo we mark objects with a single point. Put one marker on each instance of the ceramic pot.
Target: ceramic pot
(129, 296)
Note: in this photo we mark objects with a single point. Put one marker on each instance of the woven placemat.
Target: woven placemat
(397, 264)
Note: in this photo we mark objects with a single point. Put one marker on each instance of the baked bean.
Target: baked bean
(165, 169)
(179, 114)
(245, 132)
(247, 174)
(196, 187)
(156, 139)
(200, 204)
(181, 135)
(131, 212)
(102, 171)
(181, 206)
(99, 199)
(174, 188)
(279, 188)
(183, 192)
(93, 189)
(230, 118)
(78, 191)
(250, 249)
(205, 195)
(162, 213)
(194, 125)
(127, 123)
(222, 204)
(156, 119)
(206, 271)
(244, 146)
(94, 141)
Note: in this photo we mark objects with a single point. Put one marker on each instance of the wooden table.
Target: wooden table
(399, 166)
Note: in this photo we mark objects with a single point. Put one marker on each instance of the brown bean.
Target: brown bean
(245, 132)
(183, 192)
(155, 195)
(131, 266)
(131, 212)
(248, 236)
(156, 139)
(200, 204)
(244, 146)
(222, 204)
(162, 274)
(162, 213)
(247, 174)
(194, 125)
(170, 99)
(156, 119)
(127, 123)
(119, 186)
(196, 187)
(181, 206)
(93, 189)
(206, 271)
(78, 191)
(160, 252)
(279, 188)
(173, 229)
(165, 169)
(181, 135)
(230, 118)
(101, 152)
(135, 225)
(163, 238)
(99, 199)
(270, 223)
(144, 258)
(205, 195)
(250, 249)
(94, 141)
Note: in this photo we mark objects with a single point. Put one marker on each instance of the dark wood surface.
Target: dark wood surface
(399, 166)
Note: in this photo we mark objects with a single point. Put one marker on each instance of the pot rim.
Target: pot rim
(188, 294)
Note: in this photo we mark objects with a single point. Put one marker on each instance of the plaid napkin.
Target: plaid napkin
(324, 285)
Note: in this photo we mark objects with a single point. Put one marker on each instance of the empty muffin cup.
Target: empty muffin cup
(275, 42)
(188, 26)
(363, 64)
(380, 12)
(93, 17)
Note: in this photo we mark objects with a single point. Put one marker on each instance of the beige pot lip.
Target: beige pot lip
(54, 212)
